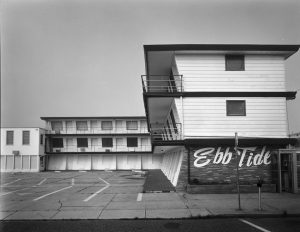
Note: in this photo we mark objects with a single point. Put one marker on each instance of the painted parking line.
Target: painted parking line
(73, 181)
(48, 194)
(255, 226)
(139, 197)
(11, 182)
(3, 194)
(42, 181)
(99, 191)
(104, 181)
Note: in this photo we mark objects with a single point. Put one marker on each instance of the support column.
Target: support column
(279, 172)
(294, 170)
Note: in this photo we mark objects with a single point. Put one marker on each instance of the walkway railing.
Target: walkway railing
(98, 130)
(162, 83)
(167, 133)
(119, 148)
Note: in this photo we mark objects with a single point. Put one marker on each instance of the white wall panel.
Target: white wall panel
(265, 117)
(56, 162)
(207, 73)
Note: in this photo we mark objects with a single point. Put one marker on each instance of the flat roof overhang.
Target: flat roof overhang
(158, 58)
(242, 142)
(101, 117)
(289, 95)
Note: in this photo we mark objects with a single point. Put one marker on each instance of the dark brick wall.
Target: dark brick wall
(226, 173)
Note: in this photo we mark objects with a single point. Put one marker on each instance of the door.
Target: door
(286, 172)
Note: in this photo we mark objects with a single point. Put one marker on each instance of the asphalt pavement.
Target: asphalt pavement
(119, 195)
(289, 224)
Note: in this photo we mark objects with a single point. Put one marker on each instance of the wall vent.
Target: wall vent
(107, 150)
(57, 150)
(16, 152)
(82, 149)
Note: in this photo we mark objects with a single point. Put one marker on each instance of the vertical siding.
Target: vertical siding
(207, 73)
(171, 164)
(265, 117)
(103, 162)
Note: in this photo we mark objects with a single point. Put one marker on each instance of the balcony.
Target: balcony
(162, 83)
(92, 149)
(97, 130)
(162, 133)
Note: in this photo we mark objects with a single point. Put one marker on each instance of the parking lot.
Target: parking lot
(119, 195)
(55, 195)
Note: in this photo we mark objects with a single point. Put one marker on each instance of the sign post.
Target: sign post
(259, 185)
(237, 169)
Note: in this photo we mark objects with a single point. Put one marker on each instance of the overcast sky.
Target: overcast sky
(85, 58)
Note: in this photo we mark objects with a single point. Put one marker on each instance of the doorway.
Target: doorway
(286, 172)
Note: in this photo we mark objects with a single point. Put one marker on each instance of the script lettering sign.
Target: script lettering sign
(249, 156)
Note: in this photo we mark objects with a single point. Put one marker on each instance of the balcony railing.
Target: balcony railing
(162, 83)
(167, 133)
(119, 148)
(99, 130)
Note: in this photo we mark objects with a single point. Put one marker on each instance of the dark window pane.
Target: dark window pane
(235, 63)
(57, 143)
(173, 121)
(106, 125)
(107, 142)
(131, 125)
(57, 126)
(132, 142)
(82, 142)
(169, 129)
(9, 137)
(81, 125)
(41, 139)
(26, 138)
(236, 108)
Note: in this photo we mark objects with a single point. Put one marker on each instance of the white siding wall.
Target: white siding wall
(103, 161)
(119, 144)
(171, 164)
(28, 159)
(265, 117)
(207, 73)
(94, 126)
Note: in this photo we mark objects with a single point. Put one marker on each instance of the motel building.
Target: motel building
(22, 149)
(197, 97)
(99, 143)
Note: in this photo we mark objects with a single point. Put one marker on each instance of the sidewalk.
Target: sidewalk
(163, 205)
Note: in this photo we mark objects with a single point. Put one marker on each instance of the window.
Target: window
(94, 124)
(131, 125)
(82, 142)
(57, 143)
(107, 142)
(235, 62)
(26, 138)
(69, 125)
(41, 139)
(169, 129)
(106, 125)
(57, 126)
(132, 142)
(236, 108)
(173, 121)
(81, 125)
(9, 137)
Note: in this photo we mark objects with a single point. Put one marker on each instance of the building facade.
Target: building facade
(199, 97)
(99, 143)
(22, 149)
